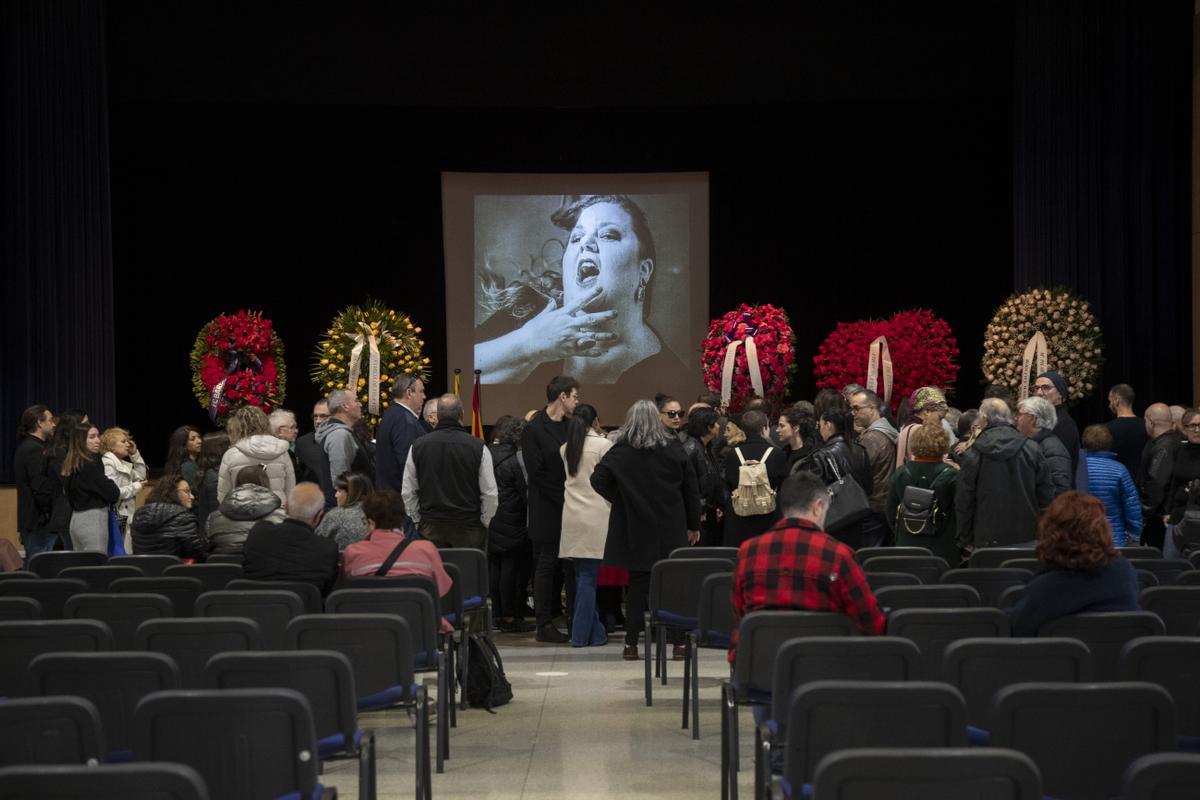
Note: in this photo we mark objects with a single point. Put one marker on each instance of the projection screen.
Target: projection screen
(602, 277)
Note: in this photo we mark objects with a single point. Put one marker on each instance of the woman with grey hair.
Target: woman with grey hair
(1036, 418)
(655, 499)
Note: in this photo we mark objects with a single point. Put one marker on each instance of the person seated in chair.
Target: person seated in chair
(291, 550)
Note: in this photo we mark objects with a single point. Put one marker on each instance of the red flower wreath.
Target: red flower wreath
(923, 350)
(237, 360)
(775, 343)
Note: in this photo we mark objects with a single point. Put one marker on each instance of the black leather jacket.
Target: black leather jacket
(847, 458)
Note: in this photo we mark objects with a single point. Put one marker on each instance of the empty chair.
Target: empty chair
(928, 568)
(894, 598)
(1146, 578)
(309, 594)
(1177, 606)
(1107, 726)
(472, 566)
(215, 733)
(122, 613)
(1034, 565)
(52, 593)
(1139, 552)
(714, 629)
(673, 601)
(933, 629)
(1010, 596)
(980, 667)
(18, 574)
(225, 558)
(126, 781)
(215, 577)
(1167, 570)
(1162, 776)
(50, 730)
(112, 682)
(100, 578)
(271, 610)
(990, 582)
(884, 580)
(191, 642)
(935, 773)
(996, 556)
(1189, 578)
(1105, 634)
(21, 642)
(182, 592)
(151, 565)
(19, 608)
(49, 563)
(863, 553)
(1172, 662)
(728, 553)
(827, 716)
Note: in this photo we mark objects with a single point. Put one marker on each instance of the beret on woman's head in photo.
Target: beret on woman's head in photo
(927, 397)
(1060, 383)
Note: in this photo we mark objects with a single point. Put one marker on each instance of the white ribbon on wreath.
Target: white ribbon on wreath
(880, 359)
(367, 337)
(1036, 354)
(751, 363)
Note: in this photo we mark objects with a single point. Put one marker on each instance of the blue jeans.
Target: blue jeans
(586, 627)
(1169, 550)
(38, 542)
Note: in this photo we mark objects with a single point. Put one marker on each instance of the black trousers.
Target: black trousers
(507, 574)
(635, 605)
(549, 577)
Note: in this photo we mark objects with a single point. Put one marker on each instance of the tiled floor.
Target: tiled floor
(577, 727)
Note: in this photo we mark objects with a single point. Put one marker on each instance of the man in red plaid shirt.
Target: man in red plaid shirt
(797, 565)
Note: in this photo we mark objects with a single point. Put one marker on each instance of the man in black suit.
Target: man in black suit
(401, 426)
(314, 464)
(291, 550)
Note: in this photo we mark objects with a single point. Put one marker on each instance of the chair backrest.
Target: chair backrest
(1140, 551)
(271, 610)
(980, 667)
(851, 658)
(215, 577)
(1167, 570)
(1105, 634)
(413, 605)
(1177, 606)
(1162, 776)
(933, 629)
(245, 743)
(727, 553)
(182, 592)
(17, 575)
(762, 633)
(453, 603)
(225, 558)
(990, 582)
(935, 773)
(324, 677)
(151, 565)
(885, 580)
(1010, 596)
(126, 781)
(19, 608)
(49, 563)
(942, 595)
(100, 578)
(826, 716)
(191, 642)
(674, 596)
(1107, 726)
(423, 582)
(50, 730)
(863, 553)
(112, 682)
(1189, 578)
(1034, 565)
(996, 556)
(309, 594)
(473, 565)
(715, 611)
(52, 593)
(1172, 662)
(1146, 578)
(21, 642)
(122, 613)
(928, 568)
(378, 646)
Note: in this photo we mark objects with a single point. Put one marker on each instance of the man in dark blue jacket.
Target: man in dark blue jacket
(401, 426)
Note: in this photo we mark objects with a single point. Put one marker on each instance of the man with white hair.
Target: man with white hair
(283, 426)
(291, 550)
(429, 413)
(1004, 483)
(1036, 419)
(336, 436)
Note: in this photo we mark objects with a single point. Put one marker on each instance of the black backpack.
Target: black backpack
(486, 685)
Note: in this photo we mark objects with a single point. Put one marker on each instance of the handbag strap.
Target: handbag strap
(392, 557)
(833, 466)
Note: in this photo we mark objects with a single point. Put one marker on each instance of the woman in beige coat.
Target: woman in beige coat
(124, 466)
(251, 442)
(584, 521)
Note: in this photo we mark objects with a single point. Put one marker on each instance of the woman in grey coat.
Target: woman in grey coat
(347, 523)
(250, 501)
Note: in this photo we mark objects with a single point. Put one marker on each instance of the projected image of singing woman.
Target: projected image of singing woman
(592, 318)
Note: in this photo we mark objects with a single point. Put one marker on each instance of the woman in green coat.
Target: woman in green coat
(927, 470)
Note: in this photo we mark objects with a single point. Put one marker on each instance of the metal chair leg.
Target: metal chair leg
(694, 658)
(687, 685)
(646, 661)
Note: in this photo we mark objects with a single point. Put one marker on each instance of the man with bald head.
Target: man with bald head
(291, 550)
(1154, 473)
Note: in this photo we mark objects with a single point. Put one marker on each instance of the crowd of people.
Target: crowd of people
(559, 501)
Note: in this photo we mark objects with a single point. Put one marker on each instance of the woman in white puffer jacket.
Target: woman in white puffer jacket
(123, 465)
(252, 443)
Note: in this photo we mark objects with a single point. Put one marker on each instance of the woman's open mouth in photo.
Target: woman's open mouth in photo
(587, 272)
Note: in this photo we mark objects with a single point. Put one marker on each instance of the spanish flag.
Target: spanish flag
(476, 412)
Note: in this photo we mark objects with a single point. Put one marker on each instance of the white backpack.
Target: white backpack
(753, 495)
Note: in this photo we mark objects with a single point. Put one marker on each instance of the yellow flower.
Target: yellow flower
(383, 377)
(341, 386)
(408, 369)
(361, 381)
(417, 330)
(329, 383)
(424, 360)
(421, 342)
(324, 361)
(392, 365)
(385, 403)
(410, 326)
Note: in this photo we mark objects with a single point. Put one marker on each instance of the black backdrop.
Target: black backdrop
(862, 160)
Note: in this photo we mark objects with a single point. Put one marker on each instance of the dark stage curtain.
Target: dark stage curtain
(54, 214)
(1102, 176)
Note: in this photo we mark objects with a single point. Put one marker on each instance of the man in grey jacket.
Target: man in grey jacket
(336, 436)
(1004, 483)
(878, 438)
(1036, 419)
